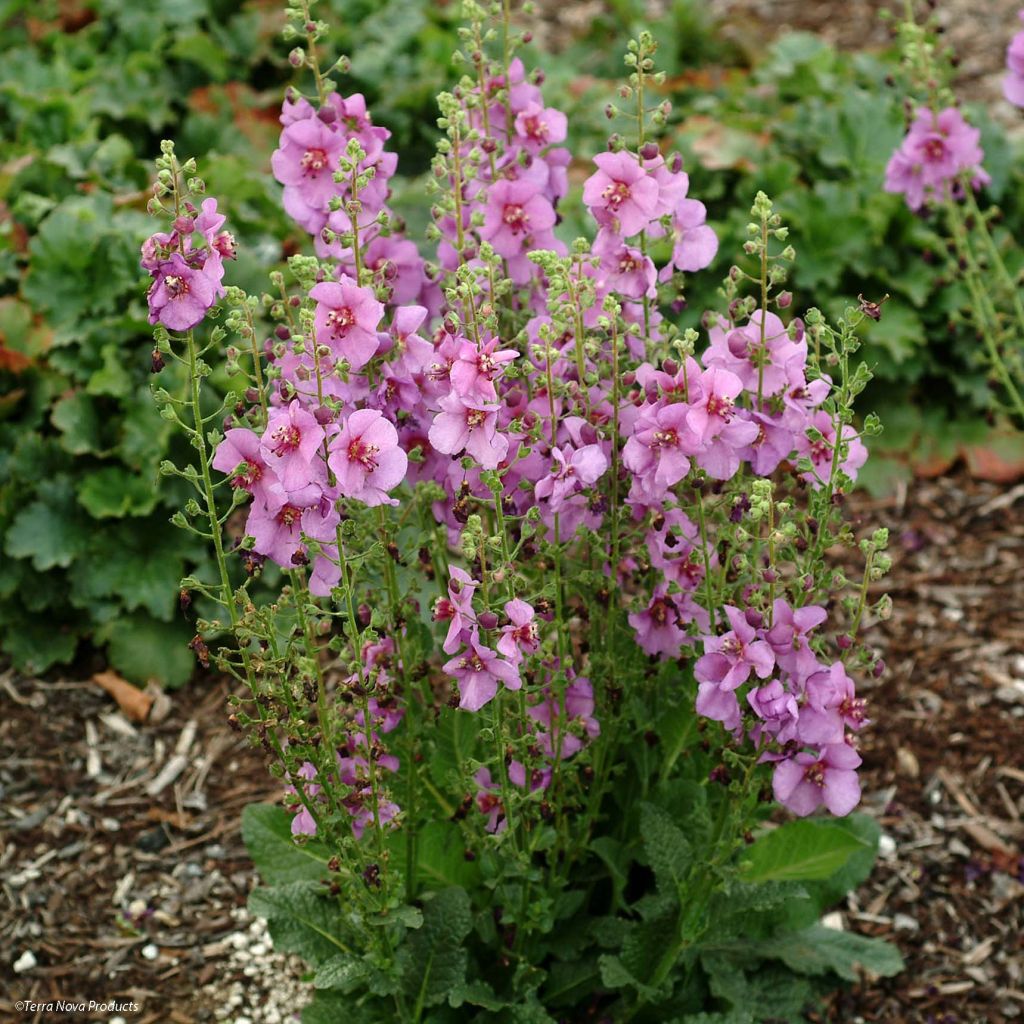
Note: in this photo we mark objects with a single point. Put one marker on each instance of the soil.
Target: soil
(119, 893)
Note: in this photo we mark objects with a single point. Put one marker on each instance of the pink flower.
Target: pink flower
(621, 194)
(696, 245)
(832, 706)
(366, 458)
(789, 634)
(180, 295)
(821, 451)
(457, 608)
(805, 781)
(347, 318)
(476, 367)
(1013, 83)
(573, 468)
(305, 164)
(658, 629)
(624, 269)
(290, 444)
(277, 529)
(937, 149)
(241, 447)
(303, 824)
(729, 659)
(470, 427)
(521, 632)
(539, 126)
(478, 670)
(515, 211)
(778, 710)
(715, 408)
(658, 452)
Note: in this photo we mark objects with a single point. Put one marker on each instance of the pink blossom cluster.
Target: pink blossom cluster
(797, 709)
(389, 372)
(187, 271)
(938, 151)
(312, 146)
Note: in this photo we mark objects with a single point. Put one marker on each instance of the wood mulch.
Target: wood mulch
(123, 890)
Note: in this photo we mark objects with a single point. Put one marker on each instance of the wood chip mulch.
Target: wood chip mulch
(122, 870)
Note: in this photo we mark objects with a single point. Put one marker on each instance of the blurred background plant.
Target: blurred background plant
(89, 88)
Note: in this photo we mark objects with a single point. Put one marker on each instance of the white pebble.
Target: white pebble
(150, 952)
(258, 949)
(886, 845)
(25, 962)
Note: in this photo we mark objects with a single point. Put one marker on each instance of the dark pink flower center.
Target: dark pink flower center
(665, 438)
(289, 515)
(286, 438)
(854, 709)
(471, 663)
(616, 194)
(659, 613)
(821, 451)
(934, 149)
(719, 405)
(177, 287)
(340, 320)
(815, 773)
(475, 418)
(363, 453)
(516, 217)
(628, 262)
(732, 646)
(314, 161)
(535, 128)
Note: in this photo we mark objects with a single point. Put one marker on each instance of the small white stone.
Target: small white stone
(25, 962)
(833, 921)
(150, 952)
(258, 949)
(905, 923)
(886, 845)
(111, 824)
(118, 1020)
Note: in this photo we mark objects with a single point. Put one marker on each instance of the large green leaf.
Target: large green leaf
(51, 533)
(667, 849)
(432, 961)
(818, 949)
(301, 919)
(800, 850)
(267, 834)
(441, 857)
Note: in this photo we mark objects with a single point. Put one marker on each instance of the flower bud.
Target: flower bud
(488, 620)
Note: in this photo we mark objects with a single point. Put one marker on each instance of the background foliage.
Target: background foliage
(90, 88)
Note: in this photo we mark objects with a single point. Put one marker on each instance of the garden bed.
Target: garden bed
(122, 895)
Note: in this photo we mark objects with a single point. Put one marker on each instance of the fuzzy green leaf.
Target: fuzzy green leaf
(266, 832)
(432, 961)
(301, 920)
